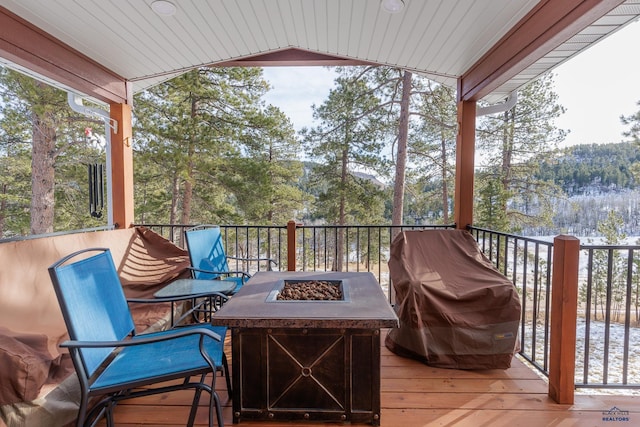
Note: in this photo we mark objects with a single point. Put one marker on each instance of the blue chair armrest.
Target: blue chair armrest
(225, 273)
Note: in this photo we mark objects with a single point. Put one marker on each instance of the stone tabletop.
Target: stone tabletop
(366, 308)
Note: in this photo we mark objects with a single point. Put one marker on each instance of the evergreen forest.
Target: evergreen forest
(209, 149)
(593, 169)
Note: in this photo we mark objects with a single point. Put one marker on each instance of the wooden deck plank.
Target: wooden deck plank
(490, 418)
(417, 395)
(517, 371)
(459, 385)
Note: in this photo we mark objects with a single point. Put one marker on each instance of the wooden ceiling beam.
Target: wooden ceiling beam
(545, 27)
(29, 47)
(291, 57)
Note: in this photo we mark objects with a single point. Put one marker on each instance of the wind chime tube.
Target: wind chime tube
(101, 188)
(90, 171)
(95, 189)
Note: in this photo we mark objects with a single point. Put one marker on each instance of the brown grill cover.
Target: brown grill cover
(455, 309)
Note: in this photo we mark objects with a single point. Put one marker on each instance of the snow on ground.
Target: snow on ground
(596, 360)
(614, 359)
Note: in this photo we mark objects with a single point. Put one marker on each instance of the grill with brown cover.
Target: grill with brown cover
(456, 309)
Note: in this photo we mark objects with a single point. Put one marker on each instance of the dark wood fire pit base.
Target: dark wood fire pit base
(307, 374)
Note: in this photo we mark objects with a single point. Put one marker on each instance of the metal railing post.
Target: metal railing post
(291, 245)
(564, 312)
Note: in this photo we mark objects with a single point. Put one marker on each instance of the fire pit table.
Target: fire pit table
(307, 359)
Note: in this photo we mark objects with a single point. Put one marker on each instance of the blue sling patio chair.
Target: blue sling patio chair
(111, 361)
(209, 260)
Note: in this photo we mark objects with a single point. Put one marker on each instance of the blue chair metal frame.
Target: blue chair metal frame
(111, 361)
(200, 309)
(209, 260)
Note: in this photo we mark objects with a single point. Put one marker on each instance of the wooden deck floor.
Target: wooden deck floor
(416, 395)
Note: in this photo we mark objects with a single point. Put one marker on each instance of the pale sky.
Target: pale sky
(295, 89)
(596, 88)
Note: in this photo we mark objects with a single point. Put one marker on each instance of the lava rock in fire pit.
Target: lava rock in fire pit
(310, 290)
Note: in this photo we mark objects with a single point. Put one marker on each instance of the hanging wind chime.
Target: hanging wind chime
(96, 190)
(96, 179)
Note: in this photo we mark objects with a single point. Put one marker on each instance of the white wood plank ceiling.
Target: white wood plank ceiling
(437, 38)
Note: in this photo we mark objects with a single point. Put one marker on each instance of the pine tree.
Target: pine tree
(610, 229)
(434, 141)
(263, 179)
(211, 140)
(634, 133)
(37, 122)
(15, 190)
(513, 144)
(349, 138)
(418, 120)
(491, 198)
(634, 122)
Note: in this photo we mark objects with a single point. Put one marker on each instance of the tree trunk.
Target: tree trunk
(445, 187)
(401, 155)
(507, 156)
(187, 196)
(175, 196)
(42, 174)
(188, 184)
(3, 209)
(342, 211)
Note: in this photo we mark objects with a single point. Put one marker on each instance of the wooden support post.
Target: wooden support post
(291, 245)
(465, 163)
(564, 312)
(122, 166)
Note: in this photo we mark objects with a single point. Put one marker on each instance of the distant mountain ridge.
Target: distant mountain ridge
(592, 168)
(596, 179)
(375, 181)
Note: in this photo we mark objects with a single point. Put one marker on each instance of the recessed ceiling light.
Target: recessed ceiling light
(163, 8)
(392, 6)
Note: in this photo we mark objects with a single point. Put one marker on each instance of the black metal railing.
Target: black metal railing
(608, 306)
(528, 264)
(609, 285)
(350, 248)
(317, 248)
(242, 241)
(608, 318)
(609, 313)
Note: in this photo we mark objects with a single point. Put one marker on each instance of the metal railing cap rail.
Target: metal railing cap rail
(57, 233)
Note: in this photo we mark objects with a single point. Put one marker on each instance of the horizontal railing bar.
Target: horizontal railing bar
(57, 233)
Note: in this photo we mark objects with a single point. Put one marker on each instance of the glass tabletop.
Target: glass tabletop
(183, 287)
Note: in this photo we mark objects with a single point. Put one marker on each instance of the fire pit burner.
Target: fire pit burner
(309, 291)
(322, 290)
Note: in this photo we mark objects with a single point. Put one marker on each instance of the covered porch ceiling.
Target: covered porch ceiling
(110, 49)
